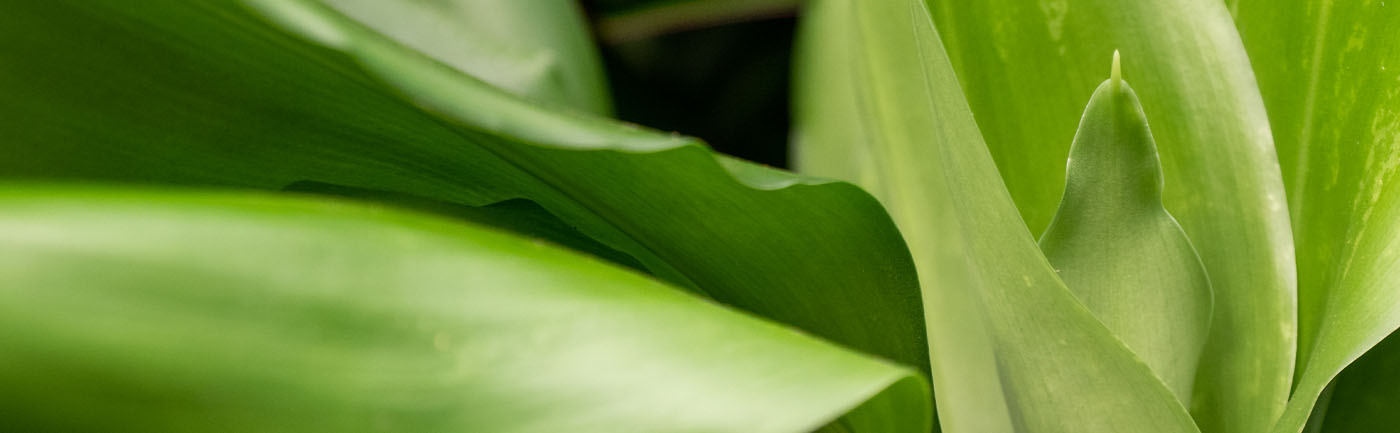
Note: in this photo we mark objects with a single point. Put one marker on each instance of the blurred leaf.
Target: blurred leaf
(895, 121)
(539, 49)
(1329, 73)
(129, 310)
(1119, 251)
(1027, 68)
(207, 93)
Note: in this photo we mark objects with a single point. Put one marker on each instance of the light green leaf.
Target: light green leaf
(211, 93)
(143, 311)
(1028, 67)
(539, 49)
(1329, 73)
(895, 122)
(1119, 251)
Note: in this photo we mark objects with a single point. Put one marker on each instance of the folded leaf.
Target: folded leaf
(1328, 73)
(142, 311)
(1028, 67)
(539, 49)
(920, 152)
(1119, 251)
(212, 93)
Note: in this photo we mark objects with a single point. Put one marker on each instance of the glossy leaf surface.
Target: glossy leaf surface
(900, 127)
(1329, 74)
(1119, 251)
(128, 310)
(212, 93)
(1028, 68)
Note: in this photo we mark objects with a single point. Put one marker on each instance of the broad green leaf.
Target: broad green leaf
(1119, 251)
(211, 93)
(1329, 72)
(921, 153)
(539, 49)
(1364, 398)
(148, 311)
(1028, 67)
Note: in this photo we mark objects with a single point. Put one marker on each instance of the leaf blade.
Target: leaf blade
(1327, 72)
(164, 311)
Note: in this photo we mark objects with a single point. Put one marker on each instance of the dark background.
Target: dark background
(725, 84)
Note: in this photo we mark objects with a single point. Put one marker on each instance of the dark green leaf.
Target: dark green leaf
(519, 216)
(1364, 398)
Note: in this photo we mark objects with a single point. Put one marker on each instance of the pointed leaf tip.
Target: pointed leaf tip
(1117, 74)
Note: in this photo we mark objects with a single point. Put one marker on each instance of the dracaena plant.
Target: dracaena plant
(413, 215)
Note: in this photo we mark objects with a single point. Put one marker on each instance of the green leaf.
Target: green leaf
(1364, 397)
(1027, 69)
(539, 49)
(211, 93)
(518, 216)
(894, 121)
(1328, 72)
(1119, 250)
(154, 311)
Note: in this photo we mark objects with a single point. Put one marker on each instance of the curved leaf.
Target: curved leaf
(896, 123)
(1364, 397)
(1027, 67)
(539, 49)
(1119, 251)
(164, 312)
(1328, 72)
(209, 93)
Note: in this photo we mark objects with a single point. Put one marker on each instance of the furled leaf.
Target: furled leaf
(1329, 73)
(896, 122)
(143, 311)
(1119, 251)
(211, 93)
(1027, 68)
(539, 49)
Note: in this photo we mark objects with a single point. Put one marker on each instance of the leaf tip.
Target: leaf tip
(1117, 69)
